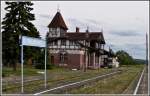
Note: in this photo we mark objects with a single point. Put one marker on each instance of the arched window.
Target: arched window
(63, 58)
(63, 42)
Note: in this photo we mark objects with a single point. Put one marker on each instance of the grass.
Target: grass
(59, 76)
(8, 72)
(112, 85)
(56, 77)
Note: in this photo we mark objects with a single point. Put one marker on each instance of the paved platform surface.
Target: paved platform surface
(143, 87)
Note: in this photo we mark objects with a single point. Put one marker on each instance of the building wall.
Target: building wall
(75, 58)
(75, 61)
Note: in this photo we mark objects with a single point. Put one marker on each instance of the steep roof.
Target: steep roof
(58, 21)
(76, 36)
(98, 36)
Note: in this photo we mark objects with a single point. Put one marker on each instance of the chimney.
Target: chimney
(77, 29)
(87, 30)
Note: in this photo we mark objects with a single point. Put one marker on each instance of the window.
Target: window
(55, 43)
(63, 58)
(63, 42)
(71, 42)
(54, 31)
(62, 32)
(51, 43)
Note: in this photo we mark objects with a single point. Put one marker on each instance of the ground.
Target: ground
(143, 87)
(119, 83)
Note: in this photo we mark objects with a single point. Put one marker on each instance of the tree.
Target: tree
(17, 21)
(124, 58)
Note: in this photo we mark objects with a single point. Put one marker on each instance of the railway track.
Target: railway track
(77, 84)
(40, 81)
(28, 82)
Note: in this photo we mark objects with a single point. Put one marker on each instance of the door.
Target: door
(52, 59)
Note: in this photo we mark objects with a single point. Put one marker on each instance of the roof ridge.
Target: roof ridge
(58, 21)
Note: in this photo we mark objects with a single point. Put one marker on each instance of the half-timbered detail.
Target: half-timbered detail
(75, 50)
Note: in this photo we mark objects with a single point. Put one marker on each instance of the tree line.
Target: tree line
(18, 21)
(124, 58)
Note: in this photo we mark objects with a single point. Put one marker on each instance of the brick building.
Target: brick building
(75, 50)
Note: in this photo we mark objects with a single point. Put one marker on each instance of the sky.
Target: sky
(124, 23)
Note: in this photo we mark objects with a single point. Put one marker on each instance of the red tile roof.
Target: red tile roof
(58, 22)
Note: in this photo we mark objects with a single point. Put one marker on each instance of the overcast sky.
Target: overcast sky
(124, 23)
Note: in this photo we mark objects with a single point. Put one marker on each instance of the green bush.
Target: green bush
(42, 66)
(3, 75)
(124, 58)
(109, 66)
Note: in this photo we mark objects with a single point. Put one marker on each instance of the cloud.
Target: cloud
(45, 16)
(72, 23)
(93, 21)
(123, 22)
(125, 33)
(82, 24)
(137, 46)
(135, 50)
(114, 39)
